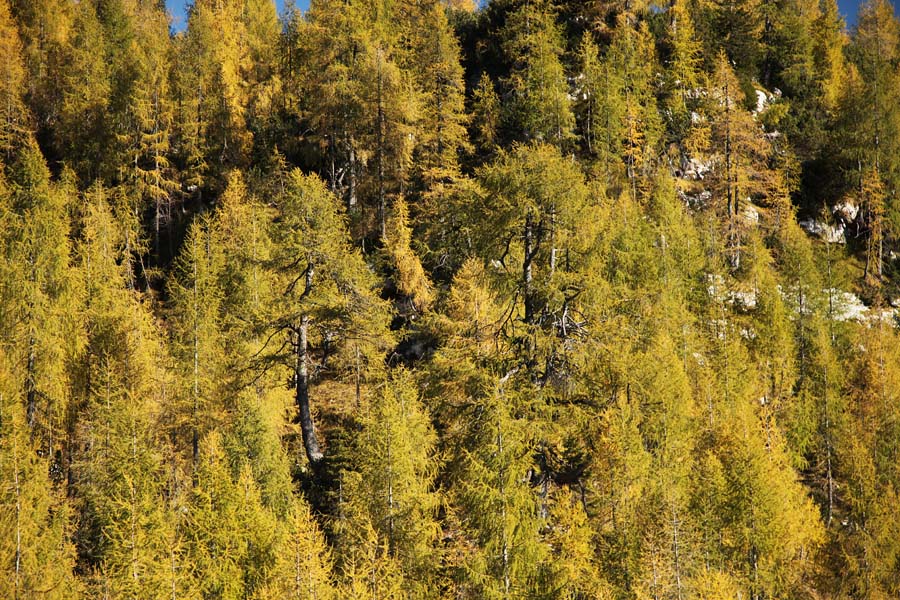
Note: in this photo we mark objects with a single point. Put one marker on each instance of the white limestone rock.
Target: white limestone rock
(831, 234)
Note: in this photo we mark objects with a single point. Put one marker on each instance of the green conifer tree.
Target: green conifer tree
(538, 202)
(231, 539)
(740, 154)
(436, 62)
(601, 111)
(501, 511)
(485, 114)
(197, 300)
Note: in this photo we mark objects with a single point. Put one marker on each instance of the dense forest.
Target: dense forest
(421, 299)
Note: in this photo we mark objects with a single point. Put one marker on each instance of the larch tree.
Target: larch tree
(15, 116)
(231, 539)
(485, 114)
(197, 299)
(869, 111)
(84, 129)
(683, 72)
(327, 292)
(149, 117)
(537, 199)
(633, 55)
(395, 457)
(771, 528)
(575, 569)
(303, 570)
(411, 279)
(368, 570)
(540, 107)
(333, 34)
(211, 91)
(435, 60)
(670, 418)
(740, 152)
(253, 441)
(737, 28)
(35, 519)
(868, 446)
(873, 196)
(828, 52)
(395, 107)
(369, 103)
(125, 526)
(501, 511)
(601, 111)
(241, 227)
(46, 31)
(39, 296)
(488, 447)
(262, 30)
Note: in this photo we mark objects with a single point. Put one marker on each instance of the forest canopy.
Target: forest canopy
(529, 299)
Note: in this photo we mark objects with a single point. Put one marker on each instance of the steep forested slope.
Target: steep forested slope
(414, 299)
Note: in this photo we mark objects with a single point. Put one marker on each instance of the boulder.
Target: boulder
(847, 306)
(695, 169)
(750, 215)
(830, 234)
(845, 212)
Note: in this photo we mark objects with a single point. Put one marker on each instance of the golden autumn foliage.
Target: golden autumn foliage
(433, 299)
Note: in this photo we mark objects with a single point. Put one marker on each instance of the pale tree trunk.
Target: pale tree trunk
(504, 551)
(18, 491)
(301, 382)
(301, 394)
(731, 187)
(382, 202)
(527, 270)
(174, 573)
(30, 384)
(30, 368)
(675, 548)
(195, 433)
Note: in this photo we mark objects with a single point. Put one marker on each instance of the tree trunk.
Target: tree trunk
(351, 172)
(527, 274)
(31, 385)
(301, 394)
(195, 430)
(382, 202)
(301, 379)
(18, 492)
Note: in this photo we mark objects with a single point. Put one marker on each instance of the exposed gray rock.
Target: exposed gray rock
(750, 215)
(845, 212)
(831, 234)
(695, 169)
(847, 306)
